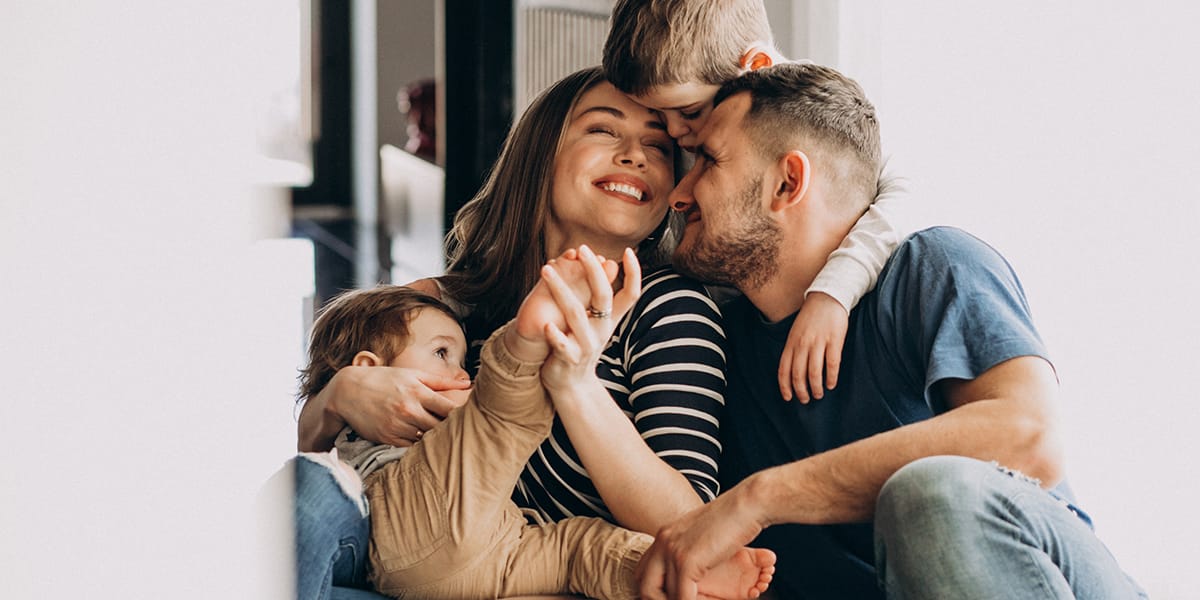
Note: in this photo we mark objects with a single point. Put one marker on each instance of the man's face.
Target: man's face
(686, 107)
(729, 238)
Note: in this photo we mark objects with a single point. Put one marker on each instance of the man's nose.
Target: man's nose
(681, 198)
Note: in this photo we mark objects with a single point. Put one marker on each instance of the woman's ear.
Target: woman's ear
(793, 177)
(366, 358)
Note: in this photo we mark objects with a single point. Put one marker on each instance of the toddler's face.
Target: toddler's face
(436, 346)
(685, 106)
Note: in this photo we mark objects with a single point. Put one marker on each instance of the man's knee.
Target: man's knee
(934, 484)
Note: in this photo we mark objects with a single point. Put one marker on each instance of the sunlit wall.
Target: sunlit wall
(1067, 135)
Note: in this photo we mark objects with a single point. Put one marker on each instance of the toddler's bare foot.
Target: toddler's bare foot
(744, 576)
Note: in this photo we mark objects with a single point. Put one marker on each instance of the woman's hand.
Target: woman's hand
(813, 354)
(583, 294)
(386, 405)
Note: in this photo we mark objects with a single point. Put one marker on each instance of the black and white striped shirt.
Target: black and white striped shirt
(665, 368)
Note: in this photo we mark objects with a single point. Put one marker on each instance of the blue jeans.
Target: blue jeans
(331, 538)
(954, 527)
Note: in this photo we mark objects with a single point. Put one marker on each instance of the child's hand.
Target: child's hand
(814, 346)
(589, 318)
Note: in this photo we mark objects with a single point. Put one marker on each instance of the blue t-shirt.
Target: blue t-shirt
(946, 306)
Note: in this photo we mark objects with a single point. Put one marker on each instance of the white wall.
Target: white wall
(1067, 135)
(143, 398)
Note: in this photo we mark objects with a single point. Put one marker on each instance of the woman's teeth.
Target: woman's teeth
(622, 188)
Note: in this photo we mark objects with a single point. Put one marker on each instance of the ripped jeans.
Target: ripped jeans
(332, 533)
(954, 527)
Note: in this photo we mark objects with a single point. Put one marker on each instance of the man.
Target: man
(887, 485)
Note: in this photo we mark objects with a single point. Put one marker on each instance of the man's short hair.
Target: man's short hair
(374, 319)
(660, 42)
(820, 111)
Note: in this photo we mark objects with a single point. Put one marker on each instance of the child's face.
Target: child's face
(685, 106)
(436, 346)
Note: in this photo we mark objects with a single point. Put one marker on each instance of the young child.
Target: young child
(673, 56)
(442, 521)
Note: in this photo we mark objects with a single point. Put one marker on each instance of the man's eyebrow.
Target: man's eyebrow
(618, 113)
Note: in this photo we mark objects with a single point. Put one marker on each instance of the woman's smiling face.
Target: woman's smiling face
(612, 175)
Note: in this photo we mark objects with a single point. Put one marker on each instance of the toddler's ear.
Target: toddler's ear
(366, 358)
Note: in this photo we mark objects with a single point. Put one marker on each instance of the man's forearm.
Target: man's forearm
(841, 485)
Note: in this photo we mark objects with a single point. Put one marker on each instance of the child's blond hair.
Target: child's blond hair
(661, 42)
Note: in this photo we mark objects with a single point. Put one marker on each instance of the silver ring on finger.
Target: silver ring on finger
(598, 313)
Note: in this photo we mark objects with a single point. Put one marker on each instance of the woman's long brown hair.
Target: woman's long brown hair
(498, 241)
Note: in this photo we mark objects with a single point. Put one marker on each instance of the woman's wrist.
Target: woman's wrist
(329, 395)
(576, 392)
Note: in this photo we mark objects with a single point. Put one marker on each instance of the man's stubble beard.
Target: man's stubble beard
(745, 256)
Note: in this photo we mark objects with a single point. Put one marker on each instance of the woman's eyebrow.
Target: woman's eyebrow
(604, 109)
(618, 113)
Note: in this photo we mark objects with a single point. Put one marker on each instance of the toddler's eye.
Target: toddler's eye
(441, 353)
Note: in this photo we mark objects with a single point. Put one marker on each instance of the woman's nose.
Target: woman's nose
(632, 154)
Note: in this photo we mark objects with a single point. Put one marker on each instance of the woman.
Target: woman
(638, 444)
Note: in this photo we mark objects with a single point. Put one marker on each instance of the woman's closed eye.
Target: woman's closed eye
(692, 115)
(662, 146)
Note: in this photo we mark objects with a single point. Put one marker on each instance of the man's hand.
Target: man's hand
(813, 354)
(390, 405)
(685, 550)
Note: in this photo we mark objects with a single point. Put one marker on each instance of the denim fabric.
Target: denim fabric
(954, 527)
(331, 538)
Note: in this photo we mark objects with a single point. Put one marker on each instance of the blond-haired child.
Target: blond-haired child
(673, 56)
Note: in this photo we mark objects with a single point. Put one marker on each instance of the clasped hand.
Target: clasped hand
(571, 314)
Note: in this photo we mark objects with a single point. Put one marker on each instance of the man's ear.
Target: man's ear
(366, 358)
(758, 56)
(794, 172)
